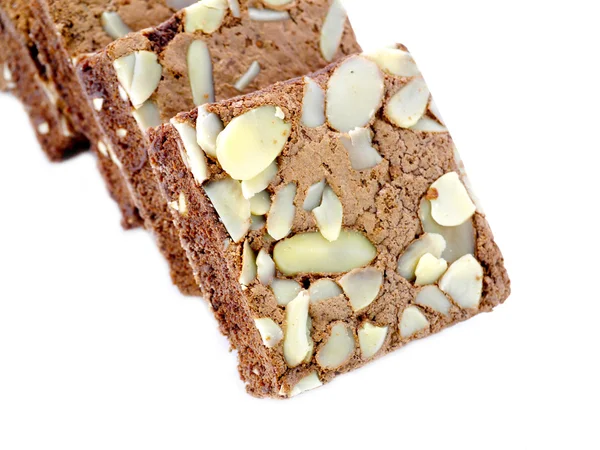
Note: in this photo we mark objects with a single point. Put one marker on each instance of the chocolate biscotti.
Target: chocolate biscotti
(330, 220)
(41, 39)
(209, 51)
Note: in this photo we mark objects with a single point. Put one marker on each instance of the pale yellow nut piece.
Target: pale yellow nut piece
(394, 61)
(281, 214)
(413, 321)
(277, 3)
(145, 76)
(180, 4)
(313, 104)
(429, 269)
(270, 332)
(329, 215)
(98, 103)
(208, 127)
(192, 154)
(433, 298)
(314, 195)
(460, 240)
(249, 268)
(248, 77)
(407, 106)
(124, 67)
(309, 382)
(311, 253)
(267, 15)
(323, 289)
(370, 339)
(450, 202)
(113, 25)
(260, 203)
(234, 6)
(285, 290)
(265, 267)
(147, 115)
(360, 149)
(463, 282)
(333, 30)
(297, 344)
(233, 209)
(434, 110)
(354, 94)
(251, 142)
(206, 16)
(338, 349)
(180, 205)
(260, 182)
(362, 286)
(428, 243)
(200, 73)
(427, 125)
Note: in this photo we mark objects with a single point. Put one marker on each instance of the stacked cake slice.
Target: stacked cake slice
(311, 193)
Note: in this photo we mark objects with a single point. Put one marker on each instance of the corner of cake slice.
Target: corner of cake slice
(330, 218)
(210, 50)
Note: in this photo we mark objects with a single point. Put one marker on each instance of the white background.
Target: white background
(98, 350)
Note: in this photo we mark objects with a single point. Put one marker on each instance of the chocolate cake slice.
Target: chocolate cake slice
(214, 49)
(329, 219)
(43, 40)
(23, 75)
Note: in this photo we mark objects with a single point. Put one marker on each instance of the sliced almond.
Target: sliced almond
(257, 222)
(267, 15)
(248, 77)
(370, 339)
(434, 110)
(311, 253)
(113, 25)
(270, 332)
(333, 30)
(460, 240)
(450, 202)
(206, 16)
(208, 127)
(428, 243)
(200, 72)
(427, 125)
(147, 115)
(297, 344)
(463, 282)
(124, 67)
(260, 182)
(395, 61)
(281, 214)
(314, 195)
(265, 267)
(338, 349)
(360, 150)
(231, 206)
(234, 6)
(323, 289)
(431, 297)
(193, 156)
(313, 104)
(309, 382)
(362, 286)
(285, 290)
(408, 105)
(251, 142)
(329, 215)
(277, 3)
(249, 269)
(146, 76)
(260, 203)
(354, 94)
(413, 321)
(429, 269)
